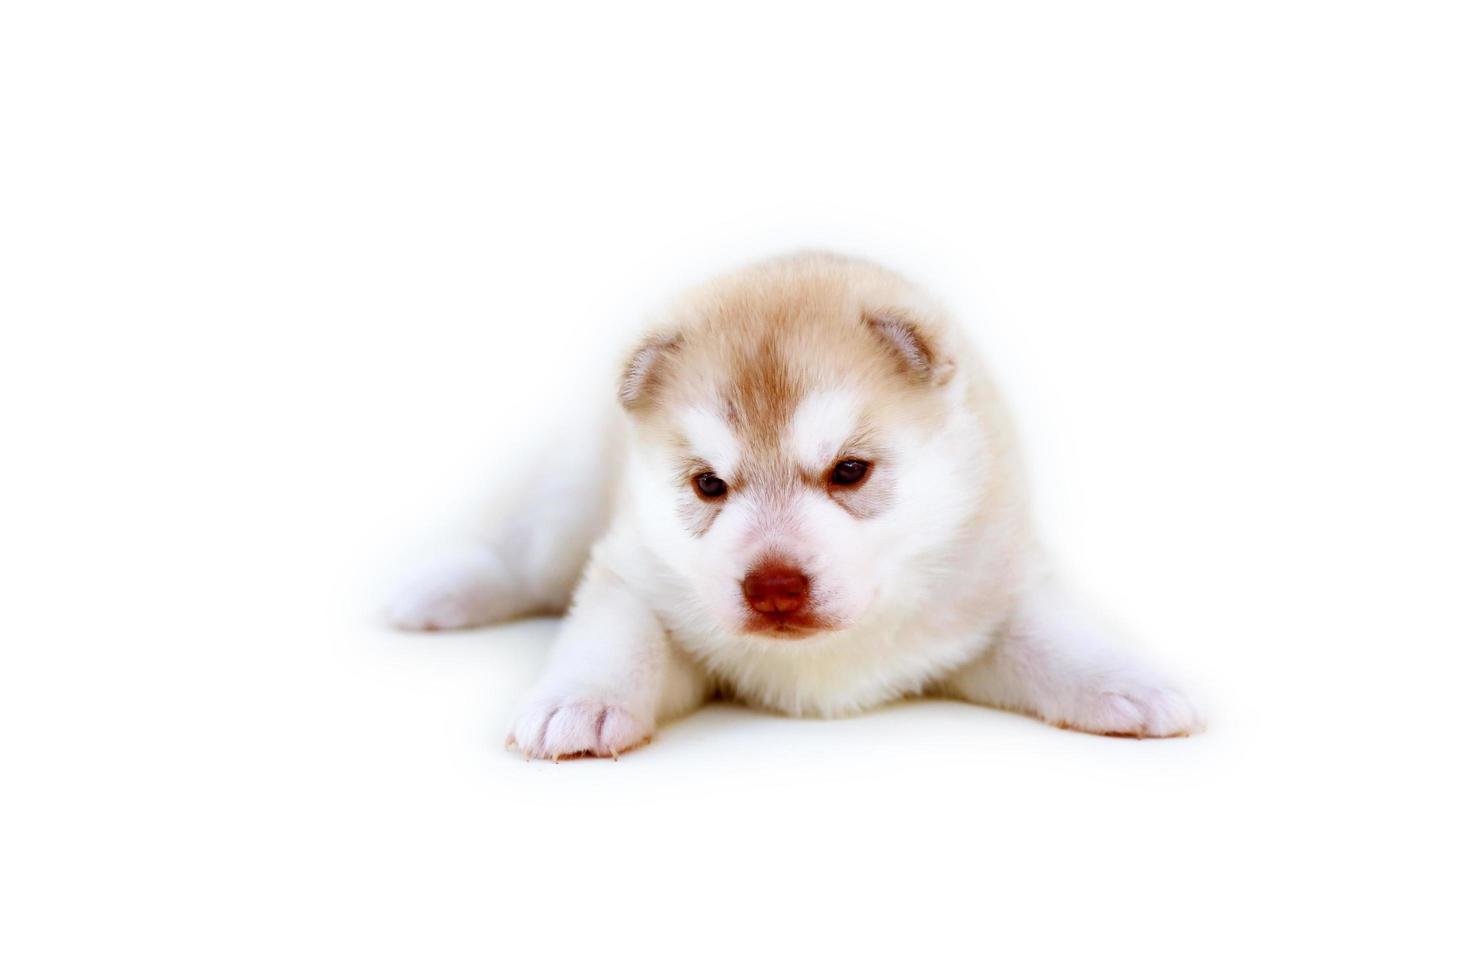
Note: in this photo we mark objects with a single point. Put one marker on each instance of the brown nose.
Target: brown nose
(775, 589)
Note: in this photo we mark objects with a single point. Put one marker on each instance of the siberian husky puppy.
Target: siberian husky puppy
(810, 500)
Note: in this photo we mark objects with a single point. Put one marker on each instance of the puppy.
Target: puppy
(809, 500)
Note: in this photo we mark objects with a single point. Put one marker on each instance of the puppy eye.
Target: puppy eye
(849, 472)
(709, 486)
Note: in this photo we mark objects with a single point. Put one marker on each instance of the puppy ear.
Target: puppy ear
(915, 349)
(641, 375)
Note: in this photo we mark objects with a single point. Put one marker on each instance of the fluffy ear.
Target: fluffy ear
(911, 344)
(641, 375)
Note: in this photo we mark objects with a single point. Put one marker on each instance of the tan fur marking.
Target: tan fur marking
(907, 341)
(640, 378)
(753, 343)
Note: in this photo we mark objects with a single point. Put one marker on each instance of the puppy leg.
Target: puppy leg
(526, 561)
(526, 565)
(1053, 662)
(612, 676)
(464, 586)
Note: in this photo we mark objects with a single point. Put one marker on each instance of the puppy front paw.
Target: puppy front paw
(457, 590)
(565, 728)
(1137, 708)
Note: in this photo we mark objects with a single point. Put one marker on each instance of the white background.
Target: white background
(285, 285)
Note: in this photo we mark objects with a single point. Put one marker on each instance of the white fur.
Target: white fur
(465, 586)
(712, 439)
(821, 424)
(925, 596)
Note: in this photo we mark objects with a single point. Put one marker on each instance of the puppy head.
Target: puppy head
(804, 453)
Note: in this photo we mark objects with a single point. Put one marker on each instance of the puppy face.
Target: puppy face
(802, 458)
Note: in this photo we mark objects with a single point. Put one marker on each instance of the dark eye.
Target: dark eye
(849, 472)
(709, 486)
